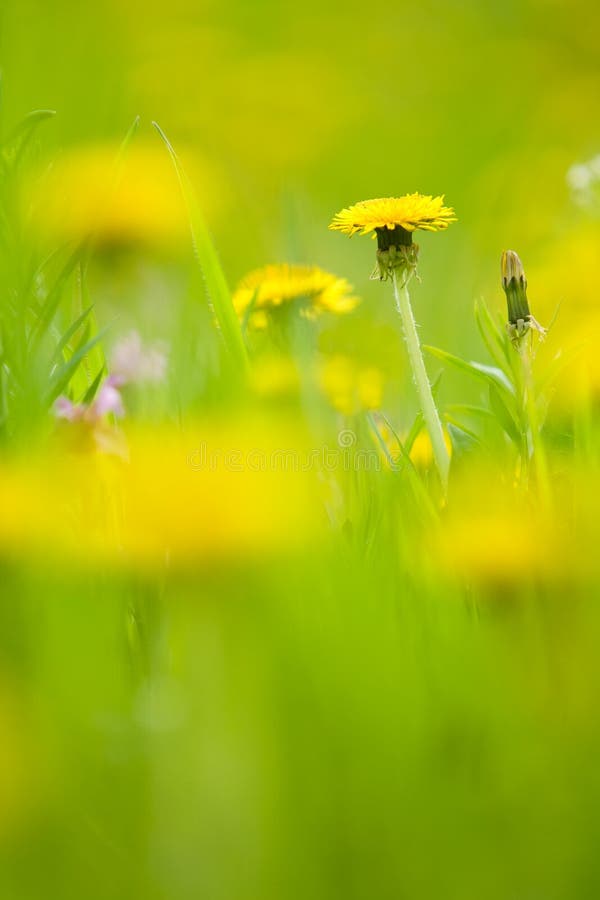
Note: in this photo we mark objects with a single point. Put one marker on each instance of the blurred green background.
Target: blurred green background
(297, 110)
(251, 732)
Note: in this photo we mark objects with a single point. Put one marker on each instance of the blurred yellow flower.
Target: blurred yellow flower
(219, 493)
(349, 386)
(274, 286)
(421, 451)
(578, 378)
(131, 203)
(564, 287)
(493, 535)
(411, 212)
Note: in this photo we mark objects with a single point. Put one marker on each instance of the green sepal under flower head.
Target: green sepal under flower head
(395, 250)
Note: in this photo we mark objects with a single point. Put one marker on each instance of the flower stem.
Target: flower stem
(428, 407)
(534, 442)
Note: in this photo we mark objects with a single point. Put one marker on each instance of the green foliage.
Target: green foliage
(406, 706)
(215, 282)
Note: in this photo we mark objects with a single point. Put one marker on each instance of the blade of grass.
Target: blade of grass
(53, 297)
(61, 379)
(111, 187)
(15, 144)
(505, 416)
(95, 360)
(419, 491)
(491, 335)
(214, 278)
(248, 312)
(71, 330)
(91, 391)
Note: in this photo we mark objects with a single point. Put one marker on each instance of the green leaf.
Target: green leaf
(131, 133)
(463, 440)
(214, 277)
(505, 416)
(469, 409)
(111, 187)
(16, 142)
(95, 359)
(71, 330)
(478, 370)
(52, 300)
(493, 338)
(62, 377)
(248, 312)
(418, 488)
(91, 391)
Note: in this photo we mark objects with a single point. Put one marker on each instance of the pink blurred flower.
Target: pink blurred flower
(71, 412)
(107, 400)
(133, 362)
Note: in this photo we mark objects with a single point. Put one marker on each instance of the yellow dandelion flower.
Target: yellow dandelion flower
(279, 285)
(393, 221)
(411, 212)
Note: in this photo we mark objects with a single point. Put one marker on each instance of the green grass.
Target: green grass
(400, 701)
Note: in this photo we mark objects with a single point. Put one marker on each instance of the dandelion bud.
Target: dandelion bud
(514, 284)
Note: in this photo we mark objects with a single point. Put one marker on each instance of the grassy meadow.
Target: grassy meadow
(299, 487)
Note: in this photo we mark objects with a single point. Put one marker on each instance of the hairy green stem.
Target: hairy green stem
(428, 407)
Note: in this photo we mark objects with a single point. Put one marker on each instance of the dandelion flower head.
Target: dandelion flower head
(278, 285)
(411, 212)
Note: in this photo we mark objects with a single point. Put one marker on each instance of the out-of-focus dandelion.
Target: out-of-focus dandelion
(219, 494)
(494, 537)
(393, 221)
(309, 289)
(79, 195)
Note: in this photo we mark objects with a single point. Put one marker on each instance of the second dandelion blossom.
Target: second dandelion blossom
(393, 220)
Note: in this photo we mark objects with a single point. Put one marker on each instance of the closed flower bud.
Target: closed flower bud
(514, 284)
